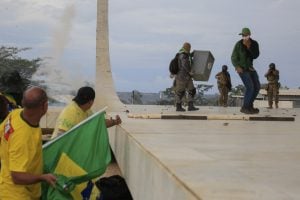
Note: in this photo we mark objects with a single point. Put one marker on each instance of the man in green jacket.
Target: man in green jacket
(244, 52)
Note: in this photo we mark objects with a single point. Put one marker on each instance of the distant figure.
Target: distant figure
(243, 54)
(13, 86)
(7, 104)
(21, 149)
(224, 85)
(4, 107)
(273, 85)
(183, 79)
(78, 110)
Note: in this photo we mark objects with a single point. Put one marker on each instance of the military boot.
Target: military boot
(191, 107)
(270, 105)
(179, 108)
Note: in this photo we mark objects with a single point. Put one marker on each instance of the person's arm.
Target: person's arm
(277, 74)
(57, 133)
(112, 122)
(229, 81)
(235, 58)
(60, 132)
(22, 178)
(185, 64)
(254, 49)
(267, 74)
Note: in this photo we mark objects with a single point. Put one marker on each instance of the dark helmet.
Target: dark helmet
(272, 66)
(224, 68)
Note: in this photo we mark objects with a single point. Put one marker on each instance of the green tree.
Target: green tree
(169, 93)
(238, 90)
(201, 89)
(16, 72)
(167, 97)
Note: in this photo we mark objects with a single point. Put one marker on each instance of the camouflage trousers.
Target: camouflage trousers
(181, 87)
(273, 92)
(223, 98)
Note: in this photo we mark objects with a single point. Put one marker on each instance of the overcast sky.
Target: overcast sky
(145, 35)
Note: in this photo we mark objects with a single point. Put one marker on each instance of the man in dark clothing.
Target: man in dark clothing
(273, 85)
(244, 52)
(13, 85)
(4, 110)
(183, 79)
(224, 85)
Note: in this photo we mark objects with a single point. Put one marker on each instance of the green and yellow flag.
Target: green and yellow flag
(79, 155)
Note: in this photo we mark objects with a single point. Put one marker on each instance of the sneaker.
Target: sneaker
(246, 111)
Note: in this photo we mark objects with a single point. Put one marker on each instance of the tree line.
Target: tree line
(16, 75)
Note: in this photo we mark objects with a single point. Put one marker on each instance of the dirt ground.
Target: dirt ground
(112, 169)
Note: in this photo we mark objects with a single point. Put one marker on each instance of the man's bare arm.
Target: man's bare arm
(22, 178)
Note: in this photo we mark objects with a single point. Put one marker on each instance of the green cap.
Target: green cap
(245, 31)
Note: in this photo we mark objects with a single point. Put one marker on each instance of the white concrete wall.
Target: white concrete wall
(146, 176)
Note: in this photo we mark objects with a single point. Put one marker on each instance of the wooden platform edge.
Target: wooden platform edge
(267, 118)
(189, 117)
(210, 117)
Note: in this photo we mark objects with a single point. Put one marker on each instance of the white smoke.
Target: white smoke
(54, 75)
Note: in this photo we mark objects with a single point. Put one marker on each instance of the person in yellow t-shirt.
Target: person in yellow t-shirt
(21, 149)
(78, 110)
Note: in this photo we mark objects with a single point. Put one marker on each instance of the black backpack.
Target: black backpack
(113, 188)
(173, 67)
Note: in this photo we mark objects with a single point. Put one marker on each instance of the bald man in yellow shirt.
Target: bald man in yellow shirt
(21, 149)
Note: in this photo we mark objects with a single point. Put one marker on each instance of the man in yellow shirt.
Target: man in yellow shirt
(78, 110)
(21, 149)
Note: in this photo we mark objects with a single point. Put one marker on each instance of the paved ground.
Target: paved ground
(223, 157)
(209, 159)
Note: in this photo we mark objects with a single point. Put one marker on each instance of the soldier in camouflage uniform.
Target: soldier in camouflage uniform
(273, 85)
(183, 80)
(224, 85)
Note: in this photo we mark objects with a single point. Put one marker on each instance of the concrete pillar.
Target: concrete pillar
(105, 91)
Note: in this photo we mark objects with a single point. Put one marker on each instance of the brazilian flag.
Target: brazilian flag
(79, 155)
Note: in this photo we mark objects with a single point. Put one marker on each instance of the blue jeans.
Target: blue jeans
(252, 86)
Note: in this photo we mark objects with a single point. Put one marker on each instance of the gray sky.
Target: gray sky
(145, 35)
